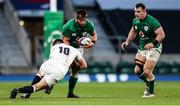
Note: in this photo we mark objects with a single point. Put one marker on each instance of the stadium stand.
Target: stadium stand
(117, 19)
(15, 55)
(11, 55)
(119, 14)
(112, 22)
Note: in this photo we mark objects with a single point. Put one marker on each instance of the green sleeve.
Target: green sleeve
(155, 24)
(91, 28)
(135, 23)
(66, 31)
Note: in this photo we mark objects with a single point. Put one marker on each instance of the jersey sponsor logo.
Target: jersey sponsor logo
(141, 33)
(146, 28)
(86, 34)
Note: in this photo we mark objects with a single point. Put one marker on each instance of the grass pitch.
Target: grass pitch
(120, 93)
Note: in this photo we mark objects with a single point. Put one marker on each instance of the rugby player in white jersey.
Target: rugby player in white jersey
(54, 69)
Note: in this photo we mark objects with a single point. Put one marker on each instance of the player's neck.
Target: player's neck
(144, 17)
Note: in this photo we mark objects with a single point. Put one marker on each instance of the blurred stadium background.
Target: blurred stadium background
(23, 28)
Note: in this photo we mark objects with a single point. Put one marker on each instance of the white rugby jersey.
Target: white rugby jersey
(62, 55)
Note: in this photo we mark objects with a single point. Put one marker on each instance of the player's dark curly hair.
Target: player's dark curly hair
(140, 5)
(56, 41)
(80, 13)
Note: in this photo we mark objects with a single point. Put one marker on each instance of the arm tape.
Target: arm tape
(155, 42)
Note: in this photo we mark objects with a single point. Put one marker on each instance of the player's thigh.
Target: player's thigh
(45, 69)
(139, 62)
(152, 58)
(51, 80)
(41, 84)
(55, 75)
(149, 66)
(140, 55)
(154, 54)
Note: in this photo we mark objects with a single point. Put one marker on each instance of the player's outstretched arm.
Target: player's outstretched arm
(82, 63)
(131, 37)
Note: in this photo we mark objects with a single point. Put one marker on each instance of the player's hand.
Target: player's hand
(124, 44)
(148, 46)
(89, 45)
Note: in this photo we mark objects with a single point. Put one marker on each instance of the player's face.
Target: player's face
(81, 21)
(139, 13)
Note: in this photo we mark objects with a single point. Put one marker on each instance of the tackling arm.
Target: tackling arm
(131, 35)
(82, 63)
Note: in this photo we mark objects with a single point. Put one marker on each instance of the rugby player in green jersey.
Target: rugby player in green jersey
(74, 29)
(151, 35)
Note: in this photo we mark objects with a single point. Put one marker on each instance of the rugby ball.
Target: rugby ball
(84, 40)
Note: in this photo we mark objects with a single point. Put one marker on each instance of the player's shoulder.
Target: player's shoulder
(89, 22)
(150, 16)
(136, 21)
(62, 45)
(73, 50)
(68, 46)
(70, 23)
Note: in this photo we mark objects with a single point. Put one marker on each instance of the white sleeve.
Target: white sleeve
(79, 56)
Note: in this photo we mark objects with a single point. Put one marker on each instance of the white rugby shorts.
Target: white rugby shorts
(51, 73)
(152, 54)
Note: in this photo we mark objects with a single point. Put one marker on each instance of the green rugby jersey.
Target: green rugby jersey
(73, 31)
(145, 30)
